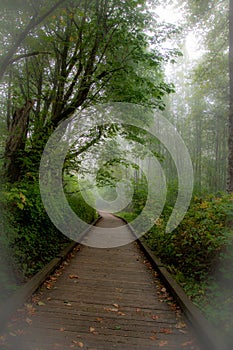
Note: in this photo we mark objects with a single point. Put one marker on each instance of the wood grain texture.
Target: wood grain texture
(102, 299)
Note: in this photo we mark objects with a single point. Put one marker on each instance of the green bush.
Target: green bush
(34, 239)
(76, 201)
(81, 208)
(200, 240)
(199, 252)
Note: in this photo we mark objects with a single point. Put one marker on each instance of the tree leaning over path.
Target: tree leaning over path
(91, 52)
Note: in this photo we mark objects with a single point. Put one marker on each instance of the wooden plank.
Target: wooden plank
(210, 337)
(105, 299)
(21, 295)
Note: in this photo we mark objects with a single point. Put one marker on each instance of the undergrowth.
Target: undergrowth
(199, 254)
(30, 235)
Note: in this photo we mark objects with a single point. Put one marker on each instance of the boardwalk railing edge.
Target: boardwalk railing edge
(24, 292)
(209, 336)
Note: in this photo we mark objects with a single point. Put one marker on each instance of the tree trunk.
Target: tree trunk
(15, 143)
(230, 125)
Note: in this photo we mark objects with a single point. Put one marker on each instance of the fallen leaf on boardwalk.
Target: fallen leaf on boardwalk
(12, 334)
(110, 309)
(121, 313)
(53, 278)
(113, 310)
(49, 298)
(187, 343)
(116, 305)
(19, 332)
(99, 319)
(2, 338)
(163, 343)
(180, 325)
(163, 290)
(80, 344)
(182, 331)
(170, 299)
(92, 329)
(117, 328)
(35, 299)
(40, 303)
(155, 317)
(67, 303)
(30, 309)
(61, 329)
(138, 310)
(58, 274)
(174, 307)
(148, 264)
(73, 276)
(49, 286)
(166, 331)
(119, 289)
(29, 321)
(153, 337)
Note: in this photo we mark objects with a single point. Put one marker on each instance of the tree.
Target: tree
(201, 106)
(18, 38)
(95, 51)
(230, 140)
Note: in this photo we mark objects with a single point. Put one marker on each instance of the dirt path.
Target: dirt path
(102, 299)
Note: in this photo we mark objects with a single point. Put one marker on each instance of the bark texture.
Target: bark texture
(15, 143)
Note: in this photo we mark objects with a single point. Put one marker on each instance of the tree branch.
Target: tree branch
(35, 21)
(30, 54)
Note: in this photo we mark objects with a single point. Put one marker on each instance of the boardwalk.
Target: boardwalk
(102, 299)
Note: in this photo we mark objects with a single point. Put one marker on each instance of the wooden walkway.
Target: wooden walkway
(101, 299)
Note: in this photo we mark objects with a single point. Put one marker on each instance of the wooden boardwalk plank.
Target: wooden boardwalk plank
(102, 299)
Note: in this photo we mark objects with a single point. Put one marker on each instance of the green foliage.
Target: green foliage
(198, 252)
(76, 201)
(139, 196)
(34, 239)
(8, 277)
(199, 241)
(200, 256)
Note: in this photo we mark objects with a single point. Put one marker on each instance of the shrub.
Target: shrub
(34, 239)
(200, 240)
